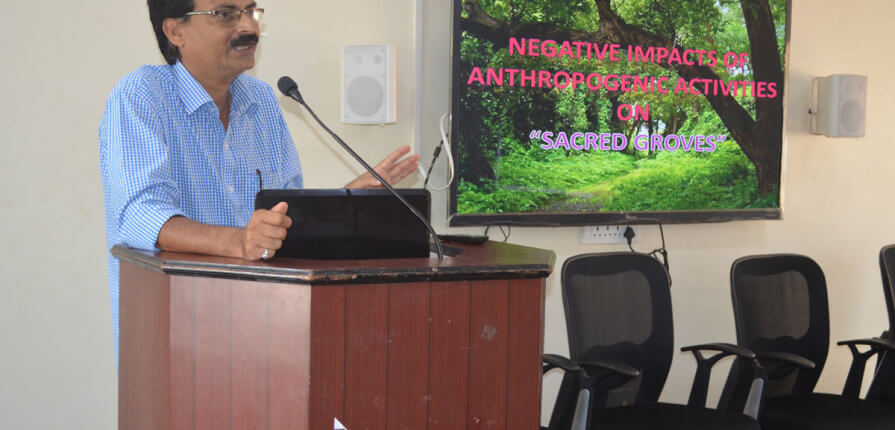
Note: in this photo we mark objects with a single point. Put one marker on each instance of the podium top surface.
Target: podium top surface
(492, 260)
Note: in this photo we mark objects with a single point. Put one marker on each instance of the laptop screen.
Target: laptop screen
(333, 224)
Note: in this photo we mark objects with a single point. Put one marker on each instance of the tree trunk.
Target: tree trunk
(766, 67)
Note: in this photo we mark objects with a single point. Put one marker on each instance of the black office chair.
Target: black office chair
(618, 316)
(883, 386)
(780, 306)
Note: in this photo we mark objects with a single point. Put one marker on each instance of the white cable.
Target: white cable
(446, 148)
(418, 97)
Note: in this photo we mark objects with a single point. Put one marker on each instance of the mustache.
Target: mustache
(244, 40)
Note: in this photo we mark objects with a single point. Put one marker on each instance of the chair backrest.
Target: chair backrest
(780, 305)
(618, 307)
(883, 385)
(887, 267)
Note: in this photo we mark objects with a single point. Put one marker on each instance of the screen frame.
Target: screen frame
(593, 218)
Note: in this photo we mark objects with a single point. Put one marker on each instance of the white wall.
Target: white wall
(61, 59)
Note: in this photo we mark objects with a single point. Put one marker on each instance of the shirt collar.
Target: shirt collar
(194, 96)
(191, 92)
(244, 100)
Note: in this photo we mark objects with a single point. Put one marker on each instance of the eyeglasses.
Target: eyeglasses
(230, 16)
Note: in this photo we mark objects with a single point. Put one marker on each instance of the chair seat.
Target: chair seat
(668, 416)
(818, 411)
(888, 394)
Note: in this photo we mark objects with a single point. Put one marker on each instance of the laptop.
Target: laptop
(341, 224)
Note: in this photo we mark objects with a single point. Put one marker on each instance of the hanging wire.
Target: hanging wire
(659, 254)
(446, 146)
(506, 234)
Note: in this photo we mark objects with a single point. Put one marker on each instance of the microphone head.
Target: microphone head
(289, 88)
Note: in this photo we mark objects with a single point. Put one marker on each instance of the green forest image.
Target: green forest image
(505, 164)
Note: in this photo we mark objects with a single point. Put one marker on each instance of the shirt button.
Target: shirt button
(230, 188)
(226, 147)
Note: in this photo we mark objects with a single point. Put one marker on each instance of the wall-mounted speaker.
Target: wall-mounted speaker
(368, 84)
(839, 105)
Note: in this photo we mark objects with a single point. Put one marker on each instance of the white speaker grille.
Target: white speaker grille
(368, 84)
(365, 96)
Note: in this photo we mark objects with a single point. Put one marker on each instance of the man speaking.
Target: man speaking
(185, 146)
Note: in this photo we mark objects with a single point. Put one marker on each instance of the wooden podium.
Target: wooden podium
(219, 343)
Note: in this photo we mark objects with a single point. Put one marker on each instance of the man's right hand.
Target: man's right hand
(266, 231)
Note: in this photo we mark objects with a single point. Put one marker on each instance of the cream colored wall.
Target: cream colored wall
(61, 59)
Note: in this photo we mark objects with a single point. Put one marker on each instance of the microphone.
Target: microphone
(290, 89)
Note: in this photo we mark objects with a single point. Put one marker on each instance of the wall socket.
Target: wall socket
(605, 234)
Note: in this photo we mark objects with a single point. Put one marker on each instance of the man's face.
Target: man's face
(212, 46)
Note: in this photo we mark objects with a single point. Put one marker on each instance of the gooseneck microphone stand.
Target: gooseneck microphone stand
(289, 88)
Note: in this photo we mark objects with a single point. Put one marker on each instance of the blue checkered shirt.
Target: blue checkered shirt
(164, 152)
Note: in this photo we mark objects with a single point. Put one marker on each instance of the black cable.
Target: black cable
(629, 235)
(432, 165)
(656, 252)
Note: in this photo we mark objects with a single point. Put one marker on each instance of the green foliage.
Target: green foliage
(571, 13)
(571, 109)
(491, 199)
(556, 171)
(706, 123)
(613, 181)
(724, 179)
(689, 23)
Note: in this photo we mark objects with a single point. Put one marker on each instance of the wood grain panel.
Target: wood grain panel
(327, 395)
(488, 354)
(408, 356)
(290, 331)
(212, 352)
(249, 368)
(143, 383)
(449, 356)
(366, 356)
(183, 326)
(351, 346)
(526, 344)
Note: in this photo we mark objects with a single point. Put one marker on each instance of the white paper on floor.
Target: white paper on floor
(337, 425)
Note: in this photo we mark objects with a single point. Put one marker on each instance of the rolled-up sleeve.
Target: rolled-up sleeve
(139, 190)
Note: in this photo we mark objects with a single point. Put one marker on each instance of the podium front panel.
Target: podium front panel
(211, 352)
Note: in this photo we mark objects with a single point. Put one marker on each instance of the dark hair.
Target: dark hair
(159, 11)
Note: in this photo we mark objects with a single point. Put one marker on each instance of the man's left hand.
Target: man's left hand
(393, 169)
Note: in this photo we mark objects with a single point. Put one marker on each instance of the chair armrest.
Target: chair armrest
(602, 368)
(603, 376)
(786, 358)
(589, 380)
(552, 361)
(700, 389)
(727, 348)
(859, 361)
(874, 342)
(573, 398)
(763, 371)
